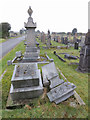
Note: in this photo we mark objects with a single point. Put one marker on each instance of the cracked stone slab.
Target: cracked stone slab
(49, 71)
(27, 92)
(25, 75)
(61, 92)
(64, 97)
(55, 82)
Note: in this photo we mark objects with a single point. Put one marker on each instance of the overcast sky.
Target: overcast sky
(55, 15)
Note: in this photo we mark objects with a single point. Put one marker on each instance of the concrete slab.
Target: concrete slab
(55, 82)
(61, 91)
(27, 92)
(66, 96)
(49, 71)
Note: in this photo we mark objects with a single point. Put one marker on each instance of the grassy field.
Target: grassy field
(43, 108)
(2, 40)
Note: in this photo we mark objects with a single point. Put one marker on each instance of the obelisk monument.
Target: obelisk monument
(31, 53)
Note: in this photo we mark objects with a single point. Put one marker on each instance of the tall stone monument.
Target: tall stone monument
(31, 53)
(26, 82)
(84, 65)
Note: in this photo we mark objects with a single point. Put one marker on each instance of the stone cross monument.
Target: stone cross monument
(31, 53)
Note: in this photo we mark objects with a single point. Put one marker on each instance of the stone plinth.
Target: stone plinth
(61, 93)
(26, 82)
(25, 76)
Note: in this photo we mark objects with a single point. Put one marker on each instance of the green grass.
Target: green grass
(10, 56)
(2, 40)
(42, 108)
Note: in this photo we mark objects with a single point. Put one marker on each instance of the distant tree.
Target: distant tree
(4, 28)
(21, 31)
(74, 31)
(68, 33)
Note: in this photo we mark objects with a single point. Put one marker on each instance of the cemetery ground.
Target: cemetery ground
(2, 40)
(41, 107)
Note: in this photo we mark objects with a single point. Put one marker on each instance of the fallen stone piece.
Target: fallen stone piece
(78, 98)
(44, 47)
(62, 47)
(48, 72)
(14, 59)
(61, 92)
(70, 57)
(59, 56)
(64, 97)
(45, 81)
(18, 54)
(9, 62)
(51, 60)
(55, 82)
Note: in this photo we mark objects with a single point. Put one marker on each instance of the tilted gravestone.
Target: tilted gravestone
(84, 65)
(50, 75)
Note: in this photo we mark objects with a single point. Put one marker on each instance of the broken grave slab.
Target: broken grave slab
(26, 75)
(61, 92)
(55, 82)
(48, 72)
(27, 92)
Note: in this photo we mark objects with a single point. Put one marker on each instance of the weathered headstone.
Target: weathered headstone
(43, 37)
(62, 40)
(49, 39)
(59, 39)
(66, 41)
(76, 45)
(82, 43)
(84, 65)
